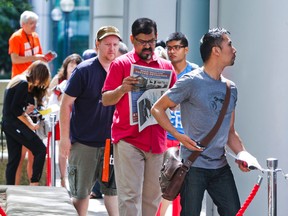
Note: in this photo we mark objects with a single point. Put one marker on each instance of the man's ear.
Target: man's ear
(96, 45)
(131, 38)
(186, 50)
(216, 50)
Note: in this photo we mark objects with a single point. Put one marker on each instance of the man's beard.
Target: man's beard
(145, 56)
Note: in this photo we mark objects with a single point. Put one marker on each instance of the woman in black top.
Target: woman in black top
(17, 125)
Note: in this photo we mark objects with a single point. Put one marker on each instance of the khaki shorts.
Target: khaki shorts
(84, 167)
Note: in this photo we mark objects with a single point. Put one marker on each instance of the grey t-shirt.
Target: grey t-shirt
(201, 98)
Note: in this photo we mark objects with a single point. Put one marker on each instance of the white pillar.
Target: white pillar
(108, 12)
(42, 9)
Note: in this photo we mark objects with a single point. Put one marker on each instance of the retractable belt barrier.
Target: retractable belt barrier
(272, 164)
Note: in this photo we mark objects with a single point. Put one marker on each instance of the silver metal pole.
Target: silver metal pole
(53, 162)
(272, 164)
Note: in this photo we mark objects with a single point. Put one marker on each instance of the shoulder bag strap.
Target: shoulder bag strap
(213, 131)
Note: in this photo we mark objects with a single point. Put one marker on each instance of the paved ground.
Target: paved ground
(96, 206)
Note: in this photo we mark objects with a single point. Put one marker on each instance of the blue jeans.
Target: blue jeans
(219, 184)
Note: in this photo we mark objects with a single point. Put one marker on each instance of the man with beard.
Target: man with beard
(90, 124)
(201, 94)
(138, 155)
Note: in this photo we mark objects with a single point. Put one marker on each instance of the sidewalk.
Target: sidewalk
(96, 206)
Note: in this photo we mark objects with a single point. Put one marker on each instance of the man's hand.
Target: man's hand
(189, 143)
(243, 166)
(40, 57)
(128, 84)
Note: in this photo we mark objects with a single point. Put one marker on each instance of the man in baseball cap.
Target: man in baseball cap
(90, 124)
(105, 31)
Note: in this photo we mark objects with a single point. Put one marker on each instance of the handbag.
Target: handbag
(107, 175)
(173, 171)
(44, 128)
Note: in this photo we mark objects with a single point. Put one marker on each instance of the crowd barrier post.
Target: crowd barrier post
(52, 144)
(272, 164)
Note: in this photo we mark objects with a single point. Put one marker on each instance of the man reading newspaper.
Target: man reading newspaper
(137, 155)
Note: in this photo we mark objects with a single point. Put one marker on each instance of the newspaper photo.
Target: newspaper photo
(144, 105)
(152, 84)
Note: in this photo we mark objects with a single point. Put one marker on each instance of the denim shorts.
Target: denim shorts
(84, 167)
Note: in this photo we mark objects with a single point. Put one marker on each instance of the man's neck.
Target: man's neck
(105, 63)
(213, 71)
(27, 32)
(179, 66)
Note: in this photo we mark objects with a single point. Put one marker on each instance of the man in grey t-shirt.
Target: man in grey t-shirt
(201, 94)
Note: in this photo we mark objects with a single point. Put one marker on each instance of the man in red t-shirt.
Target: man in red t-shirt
(138, 152)
(24, 44)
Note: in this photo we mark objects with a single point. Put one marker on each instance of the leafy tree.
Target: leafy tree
(10, 11)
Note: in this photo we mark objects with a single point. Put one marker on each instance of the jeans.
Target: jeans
(219, 184)
(96, 189)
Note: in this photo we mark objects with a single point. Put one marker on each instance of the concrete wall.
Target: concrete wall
(122, 13)
(193, 20)
(106, 12)
(259, 31)
(43, 11)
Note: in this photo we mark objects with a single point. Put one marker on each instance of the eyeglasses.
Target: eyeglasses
(176, 47)
(144, 43)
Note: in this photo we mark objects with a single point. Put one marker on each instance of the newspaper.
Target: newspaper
(152, 84)
(251, 161)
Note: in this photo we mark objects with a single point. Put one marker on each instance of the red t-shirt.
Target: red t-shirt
(19, 44)
(153, 137)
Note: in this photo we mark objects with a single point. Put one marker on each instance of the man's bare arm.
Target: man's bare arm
(235, 143)
(65, 112)
(112, 97)
(16, 59)
(159, 112)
